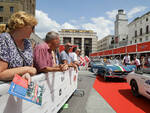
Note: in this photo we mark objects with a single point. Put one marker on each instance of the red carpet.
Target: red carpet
(119, 96)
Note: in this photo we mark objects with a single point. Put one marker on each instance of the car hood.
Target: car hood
(114, 68)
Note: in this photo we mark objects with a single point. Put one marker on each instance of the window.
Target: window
(1, 19)
(140, 39)
(147, 29)
(135, 41)
(11, 9)
(130, 42)
(135, 33)
(146, 19)
(146, 38)
(140, 31)
(1, 8)
(127, 37)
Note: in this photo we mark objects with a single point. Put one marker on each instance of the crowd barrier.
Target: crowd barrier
(59, 86)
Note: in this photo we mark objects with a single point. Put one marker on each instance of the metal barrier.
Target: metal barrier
(59, 86)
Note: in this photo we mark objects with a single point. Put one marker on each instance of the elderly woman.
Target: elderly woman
(15, 48)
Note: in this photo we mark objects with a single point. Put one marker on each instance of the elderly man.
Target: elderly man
(45, 56)
(66, 58)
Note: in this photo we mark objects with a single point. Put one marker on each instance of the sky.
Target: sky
(96, 15)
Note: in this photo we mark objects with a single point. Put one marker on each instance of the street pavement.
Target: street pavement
(91, 102)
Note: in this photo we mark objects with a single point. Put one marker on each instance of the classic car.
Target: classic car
(140, 82)
(111, 70)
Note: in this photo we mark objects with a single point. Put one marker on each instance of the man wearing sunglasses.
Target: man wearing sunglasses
(66, 58)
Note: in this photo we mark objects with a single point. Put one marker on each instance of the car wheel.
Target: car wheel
(95, 70)
(134, 88)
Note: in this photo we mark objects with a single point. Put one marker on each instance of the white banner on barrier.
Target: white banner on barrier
(59, 86)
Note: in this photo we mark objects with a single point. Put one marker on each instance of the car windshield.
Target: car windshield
(115, 61)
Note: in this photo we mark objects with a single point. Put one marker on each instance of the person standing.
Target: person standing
(137, 63)
(142, 61)
(73, 55)
(126, 59)
(45, 54)
(15, 48)
(66, 58)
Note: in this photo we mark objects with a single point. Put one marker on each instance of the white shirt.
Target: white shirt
(73, 56)
(149, 60)
(137, 62)
(127, 59)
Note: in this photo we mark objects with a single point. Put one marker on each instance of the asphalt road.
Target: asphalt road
(91, 102)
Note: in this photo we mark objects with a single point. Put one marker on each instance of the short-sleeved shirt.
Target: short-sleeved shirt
(126, 59)
(43, 56)
(73, 56)
(10, 54)
(137, 62)
(65, 56)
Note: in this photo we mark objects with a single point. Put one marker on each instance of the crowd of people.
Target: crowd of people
(140, 63)
(19, 56)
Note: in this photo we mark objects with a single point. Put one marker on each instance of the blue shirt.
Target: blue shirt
(65, 56)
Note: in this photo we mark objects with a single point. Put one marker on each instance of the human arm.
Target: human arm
(8, 74)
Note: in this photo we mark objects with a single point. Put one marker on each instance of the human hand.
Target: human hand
(31, 70)
(64, 67)
(27, 77)
(75, 67)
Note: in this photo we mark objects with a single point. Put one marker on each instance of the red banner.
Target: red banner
(100, 53)
(116, 51)
(122, 50)
(131, 48)
(143, 47)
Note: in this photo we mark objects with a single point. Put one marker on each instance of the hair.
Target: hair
(51, 35)
(2, 28)
(21, 19)
(74, 49)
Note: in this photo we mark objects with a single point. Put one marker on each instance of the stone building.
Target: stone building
(8, 7)
(105, 43)
(139, 29)
(86, 40)
(121, 28)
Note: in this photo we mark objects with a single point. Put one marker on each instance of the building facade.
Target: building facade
(86, 40)
(139, 29)
(121, 28)
(105, 43)
(8, 7)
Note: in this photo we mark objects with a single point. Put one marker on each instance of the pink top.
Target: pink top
(42, 56)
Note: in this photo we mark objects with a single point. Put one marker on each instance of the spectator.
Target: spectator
(137, 63)
(126, 59)
(66, 58)
(45, 56)
(142, 61)
(148, 61)
(15, 47)
(73, 56)
(78, 52)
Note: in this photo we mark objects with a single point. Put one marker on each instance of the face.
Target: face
(68, 47)
(55, 43)
(78, 52)
(26, 31)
